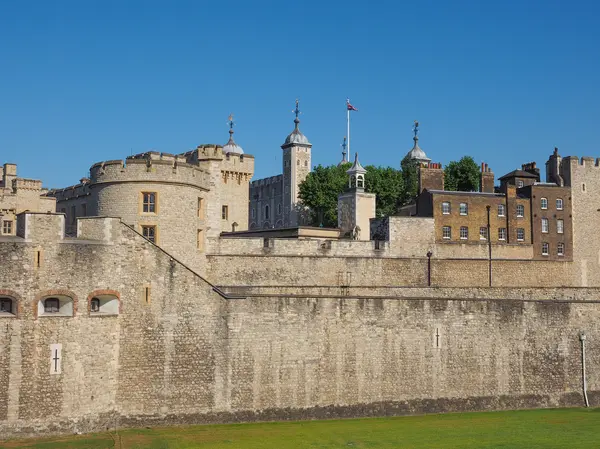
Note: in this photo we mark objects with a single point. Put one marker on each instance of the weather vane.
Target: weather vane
(344, 144)
(416, 128)
(297, 110)
(230, 121)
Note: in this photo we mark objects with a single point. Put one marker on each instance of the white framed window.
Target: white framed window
(464, 233)
(483, 233)
(520, 211)
(545, 248)
(561, 249)
(520, 234)
(7, 227)
(58, 305)
(545, 227)
(447, 232)
(560, 226)
(446, 208)
(519, 184)
(464, 209)
(501, 210)
(104, 305)
(544, 203)
(501, 233)
(559, 204)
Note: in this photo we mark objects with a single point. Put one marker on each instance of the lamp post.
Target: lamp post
(489, 238)
(429, 254)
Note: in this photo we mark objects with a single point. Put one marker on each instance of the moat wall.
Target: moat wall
(191, 354)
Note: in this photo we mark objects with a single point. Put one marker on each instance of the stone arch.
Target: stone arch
(102, 292)
(16, 298)
(54, 292)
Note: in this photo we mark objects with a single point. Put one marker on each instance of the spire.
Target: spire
(297, 112)
(296, 137)
(230, 122)
(231, 146)
(417, 153)
(344, 153)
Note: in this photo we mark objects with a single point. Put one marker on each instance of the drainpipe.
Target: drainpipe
(585, 396)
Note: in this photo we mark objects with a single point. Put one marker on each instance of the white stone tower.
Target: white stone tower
(355, 207)
(296, 166)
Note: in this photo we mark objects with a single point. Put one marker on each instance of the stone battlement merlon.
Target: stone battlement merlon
(585, 161)
(258, 183)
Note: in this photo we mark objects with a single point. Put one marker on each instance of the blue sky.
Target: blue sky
(503, 82)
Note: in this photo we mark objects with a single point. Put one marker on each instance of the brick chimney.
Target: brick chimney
(431, 176)
(486, 179)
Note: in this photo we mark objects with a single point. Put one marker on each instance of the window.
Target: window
(225, 212)
(306, 163)
(501, 233)
(58, 305)
(279, 209)
(447, 232)
(267, 212)
(297, 161)
(520, 211)
(201, 208)
(6, 306)
(84, 210)
(73, 215)
(501, 210)
(147, 292)
(253, 213)
(520, 234)
(561, 249)
(200, 240)
(519, 184)
(559, 204)
(51, 305)
(544, 225)
(149, 202)
(7, 226)
(483, 233)
(446, 208)
(560, 225)
(464, 209)
(104, 304)
(544, 203)
(464, 233)
(545, 249)
(149, 232)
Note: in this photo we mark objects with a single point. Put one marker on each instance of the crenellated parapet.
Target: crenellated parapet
(150, 167)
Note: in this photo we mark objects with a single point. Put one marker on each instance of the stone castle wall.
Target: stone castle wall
(191, 354)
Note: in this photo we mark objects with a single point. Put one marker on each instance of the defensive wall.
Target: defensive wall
(180, 350)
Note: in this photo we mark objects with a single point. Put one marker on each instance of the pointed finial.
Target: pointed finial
(344, 153)
(297, 112)
(231, 123)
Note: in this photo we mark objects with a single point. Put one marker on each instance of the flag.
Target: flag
(350, 107)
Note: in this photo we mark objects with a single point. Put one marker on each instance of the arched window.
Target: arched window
(51, 305)
(104, 302)
(279, 209)
(306, 163)
(297, 161)
(6, 306)
(95, 305)
(267, 212)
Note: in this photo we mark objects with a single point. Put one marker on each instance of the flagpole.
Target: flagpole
(348, 123)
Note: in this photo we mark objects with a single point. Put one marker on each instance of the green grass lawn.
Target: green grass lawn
(528, 429)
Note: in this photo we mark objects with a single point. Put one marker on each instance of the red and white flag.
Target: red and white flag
(350, 107)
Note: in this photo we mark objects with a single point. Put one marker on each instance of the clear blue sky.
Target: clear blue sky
(505, 81)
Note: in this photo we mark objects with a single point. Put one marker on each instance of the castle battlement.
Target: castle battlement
(266, 181)
(585, 161)
(150, 167)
